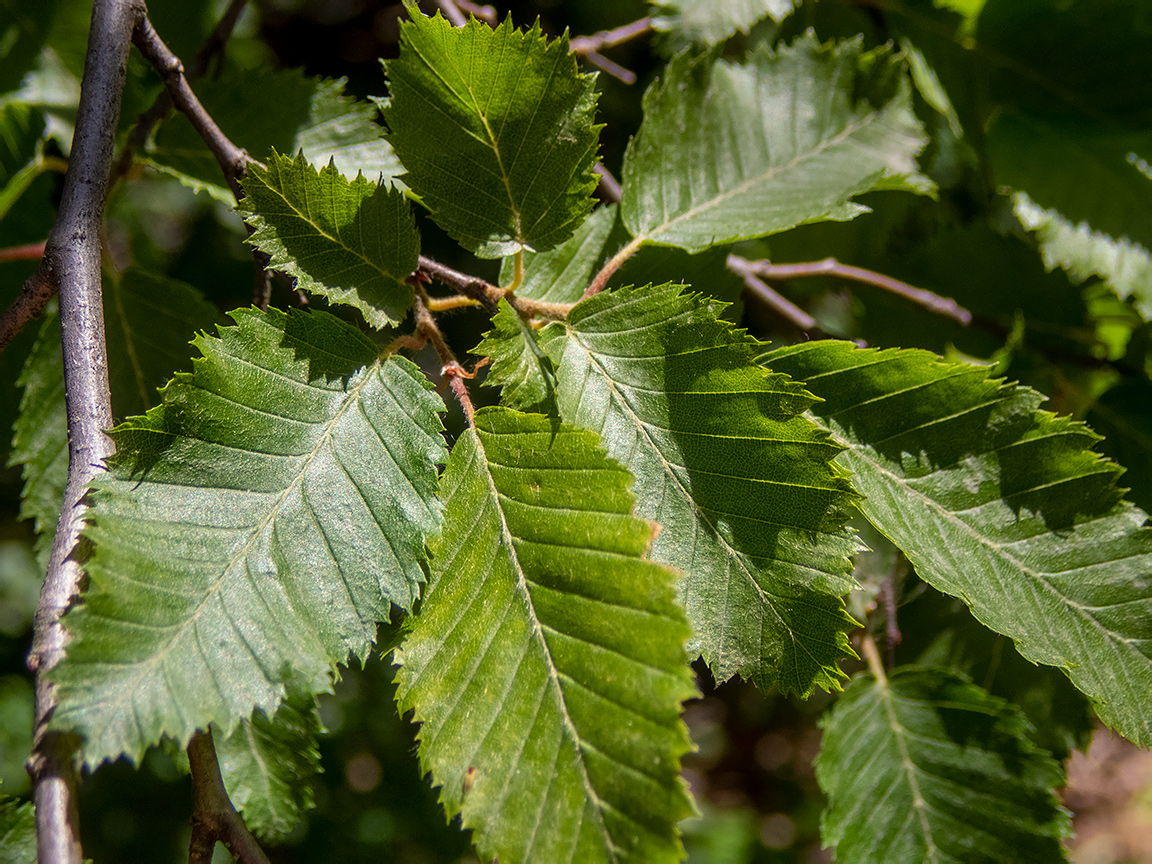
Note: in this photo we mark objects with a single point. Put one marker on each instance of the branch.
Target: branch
(945, 306)
(609, 187)
(72, 264)
(452, 12)
(213, 816)
(233, 160)
(584, 45)
(27, 252)
(450, 368)
(487, 294)
(780, 304)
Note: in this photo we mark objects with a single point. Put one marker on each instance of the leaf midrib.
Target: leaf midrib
(507, 540)
(148, 667)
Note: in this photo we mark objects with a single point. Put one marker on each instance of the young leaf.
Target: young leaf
(148, 322)
(546, 667)
(255, 526)
(269, 765)
(708, 22)
(928, 767)
(352, 242)
(495, 130)
(519, 363)
(309, 114)
(730, 151)
(750, 507)
(1001, 505)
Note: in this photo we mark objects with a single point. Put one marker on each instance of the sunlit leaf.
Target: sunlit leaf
(1002, 505)
(352, 242)
(495, 129)
(750, 508)
(251, 530)
(547, 665)
(706, 22)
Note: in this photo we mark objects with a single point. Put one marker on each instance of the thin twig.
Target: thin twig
(610, 66)
(213, 47)
(27, 252)
(214, 819)
(608, 38)
(609, 187)
(452, 12)
(233, 160)
(71, 263)
(781, 305)
(487, 294)
(487, 14)
(450, 368)
(614, 263)
(945, 306)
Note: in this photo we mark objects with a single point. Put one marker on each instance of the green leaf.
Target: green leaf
(519, 363)
(546, 667)
(309, 114)
(730, 151)
(750, 508)
(253, 528)
(148, 322)
(495, 129)
(928, 767)
(1123, 415)
(21, 128)
(708, 22)
(269, 765)
(352, 242)
(1084, 253)
(1001, 505)
(17, 832)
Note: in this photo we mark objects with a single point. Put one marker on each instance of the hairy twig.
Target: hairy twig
(71, 263)
(945, 306)
(614, 263)
(450, 368)
(214, 819)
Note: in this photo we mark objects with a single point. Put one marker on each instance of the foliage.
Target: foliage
(659, 484)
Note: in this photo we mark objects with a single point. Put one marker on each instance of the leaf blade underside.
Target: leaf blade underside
(1002, 505)
(928, 767)
(546, 667)
(733, 151)
(750, 508)
(253, 528)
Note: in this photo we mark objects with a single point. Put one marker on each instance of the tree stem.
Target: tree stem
(213, 816)
(72, 263)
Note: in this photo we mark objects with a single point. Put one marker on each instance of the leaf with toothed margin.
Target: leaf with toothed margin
(546, 668)
(251, 531)
(750, 506)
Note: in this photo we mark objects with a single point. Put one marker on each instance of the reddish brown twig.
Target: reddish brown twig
(608, 38)
(450, 368)
(488, 294)
(781, 305)
(945, 306)
(27, 252)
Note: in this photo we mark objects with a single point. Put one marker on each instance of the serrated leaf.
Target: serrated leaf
(751, 509)
(546, 667)
(352, 242)
(1084, 253)
(303, 113)
(495, 129)
(148, 322)
(730, 151)
(519, 363)
(707, 22)
(253, 528)
(928, 767)
(21, 128)
(269, 765)
(17, 832)
(1001, 505)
